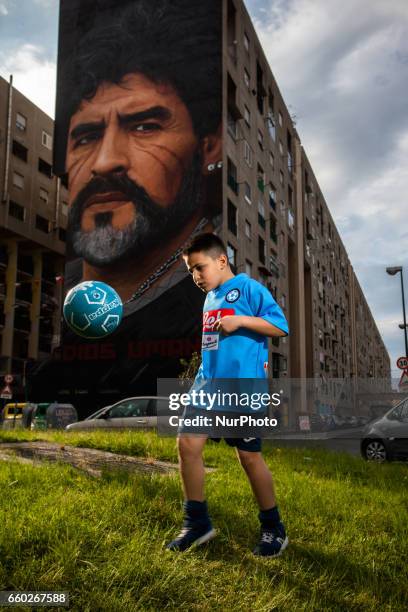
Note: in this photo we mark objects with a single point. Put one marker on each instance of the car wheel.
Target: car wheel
(374, 450)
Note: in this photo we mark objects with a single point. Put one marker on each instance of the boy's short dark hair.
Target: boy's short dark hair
(208, 243)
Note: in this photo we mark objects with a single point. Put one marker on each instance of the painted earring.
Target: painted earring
(219, 165)
(211, 167)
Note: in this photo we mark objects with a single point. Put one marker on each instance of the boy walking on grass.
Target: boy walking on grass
(235, 346)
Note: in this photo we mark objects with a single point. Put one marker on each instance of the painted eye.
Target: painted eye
(147, 127)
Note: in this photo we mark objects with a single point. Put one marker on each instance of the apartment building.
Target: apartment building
(279, 229)
(33, 217)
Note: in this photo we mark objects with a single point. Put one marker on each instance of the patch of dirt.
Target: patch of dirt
(89, 460)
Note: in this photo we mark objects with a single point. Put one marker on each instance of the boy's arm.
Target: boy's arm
(266, 318)
(231, 323)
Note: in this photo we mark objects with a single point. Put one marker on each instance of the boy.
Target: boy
(234, 347)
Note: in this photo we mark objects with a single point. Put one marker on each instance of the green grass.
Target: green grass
(102, 539)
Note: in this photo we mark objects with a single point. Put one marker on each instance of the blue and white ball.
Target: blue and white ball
(93, 309)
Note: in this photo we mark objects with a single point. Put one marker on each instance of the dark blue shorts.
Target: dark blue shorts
(252, 445)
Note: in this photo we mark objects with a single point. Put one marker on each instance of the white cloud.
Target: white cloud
(3, 9)
(33, 75)
(344, 71)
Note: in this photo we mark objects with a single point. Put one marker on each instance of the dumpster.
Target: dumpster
(53, 416)
(13, 416)
(39, 417)
(61, 415)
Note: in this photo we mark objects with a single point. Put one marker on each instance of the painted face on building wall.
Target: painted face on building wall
(135, 169)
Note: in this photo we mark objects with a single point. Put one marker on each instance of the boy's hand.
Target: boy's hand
(227, 324)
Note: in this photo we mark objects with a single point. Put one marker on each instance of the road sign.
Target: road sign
(6, 393)
(402, 363)
(8, 379)
(403, 383)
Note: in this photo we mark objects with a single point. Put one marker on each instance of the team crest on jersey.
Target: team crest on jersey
(233, 295)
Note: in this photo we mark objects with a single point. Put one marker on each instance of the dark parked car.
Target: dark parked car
(132, 412)
(386, 437)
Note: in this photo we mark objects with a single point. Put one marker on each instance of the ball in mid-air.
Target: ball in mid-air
(93, 309)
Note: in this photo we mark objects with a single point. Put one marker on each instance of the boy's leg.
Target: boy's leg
(197, 528)
(273, 538)
(259, 477)
(190, 451)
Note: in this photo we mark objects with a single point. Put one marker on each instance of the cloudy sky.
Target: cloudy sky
(343, 71)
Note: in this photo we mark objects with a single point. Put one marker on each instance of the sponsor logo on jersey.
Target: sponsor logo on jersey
(212, 316)
(210, 342)
(233, 295)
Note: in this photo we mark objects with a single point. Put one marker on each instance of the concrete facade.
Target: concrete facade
(33, 217)
(279, 229)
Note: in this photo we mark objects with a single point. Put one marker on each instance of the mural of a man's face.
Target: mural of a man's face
(134, 165)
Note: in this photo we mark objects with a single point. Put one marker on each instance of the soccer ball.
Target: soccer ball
(93, 309)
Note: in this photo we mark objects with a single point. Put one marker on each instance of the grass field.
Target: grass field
(102, 539)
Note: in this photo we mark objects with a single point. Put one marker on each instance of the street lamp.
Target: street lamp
(392, 271)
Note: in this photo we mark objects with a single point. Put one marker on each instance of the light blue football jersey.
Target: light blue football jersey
(243, 353)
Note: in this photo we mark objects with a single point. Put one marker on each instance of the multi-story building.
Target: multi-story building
(276, 224)
(33, 215)
(279, 229)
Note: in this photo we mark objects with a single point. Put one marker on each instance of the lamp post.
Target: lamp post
(392, 271)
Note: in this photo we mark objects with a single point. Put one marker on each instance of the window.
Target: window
(16, 210)
(290, 196)
(246, 42)
(44, 195)
(18, 180)
(271, 161)
(260, 140)
(261, 178)
(231, 126)
(44, 167)
(232, 218)
(20, 151)
(271, 126)
(248, 267)
(42, 224)
(247, 195)
(62, 234)
(282, 207)
(247, 154)
(232, 176)
(274, 264)
(261, 214)
(21, 122)
(232, 254)
(280, 147)
(273, 232)
(65, 208)
(247, 78)
(247, 116)
(261, 250)
(272, 197)
(291, 219)
(280, 118)
(248, 232)
(283, 300)
(281, 177)
(64, 180)
(46, 140)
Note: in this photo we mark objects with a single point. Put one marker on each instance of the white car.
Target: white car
(129, 413)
